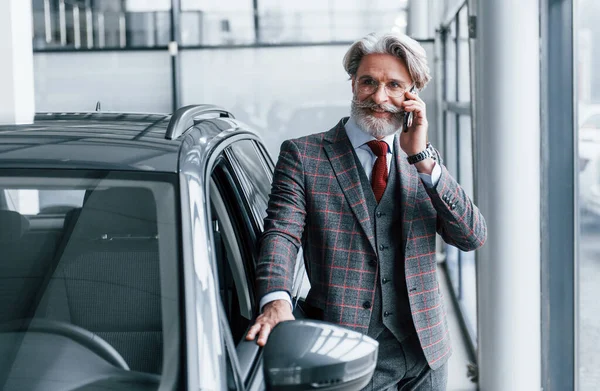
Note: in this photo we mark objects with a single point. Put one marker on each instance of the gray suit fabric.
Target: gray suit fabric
(408, 362)
(400, 357)
(390, 304)
(317, 201)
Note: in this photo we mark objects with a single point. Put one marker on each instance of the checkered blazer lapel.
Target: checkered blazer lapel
(409, 181)
(340, 153)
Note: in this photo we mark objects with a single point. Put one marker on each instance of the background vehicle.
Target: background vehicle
(589, 159)
(128, 254)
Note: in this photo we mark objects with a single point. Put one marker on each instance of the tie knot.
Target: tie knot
(379, 148)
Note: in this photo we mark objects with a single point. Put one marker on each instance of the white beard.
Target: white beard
(376, 127)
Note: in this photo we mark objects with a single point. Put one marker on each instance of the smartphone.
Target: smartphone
(408, 116)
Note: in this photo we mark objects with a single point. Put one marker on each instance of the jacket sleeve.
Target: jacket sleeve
(459, 221)
(284, 223)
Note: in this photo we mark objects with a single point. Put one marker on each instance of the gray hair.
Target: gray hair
(398, 45)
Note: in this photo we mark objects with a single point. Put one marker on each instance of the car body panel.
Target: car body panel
(90, 141)
(589, 159)
(208, 357)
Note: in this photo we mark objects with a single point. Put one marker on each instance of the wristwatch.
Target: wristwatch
(429, 152)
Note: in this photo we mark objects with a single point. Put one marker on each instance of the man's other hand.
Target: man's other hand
(273, 313)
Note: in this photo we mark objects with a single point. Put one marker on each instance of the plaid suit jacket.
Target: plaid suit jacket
(317, 201)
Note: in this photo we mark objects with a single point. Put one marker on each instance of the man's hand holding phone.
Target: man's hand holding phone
(413, 138)
(407, 114)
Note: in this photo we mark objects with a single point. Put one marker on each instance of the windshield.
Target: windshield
(88, 271)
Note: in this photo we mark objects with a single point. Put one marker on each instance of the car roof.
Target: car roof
(98, 140)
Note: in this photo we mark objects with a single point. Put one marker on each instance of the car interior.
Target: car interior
(90, 276)
(80, 286)
(111, 286)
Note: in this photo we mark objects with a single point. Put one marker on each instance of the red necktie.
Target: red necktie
(379, 176)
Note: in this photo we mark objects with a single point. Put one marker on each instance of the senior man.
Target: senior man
(365, 200)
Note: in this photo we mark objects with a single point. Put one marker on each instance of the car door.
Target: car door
(238, 202)
(254, 170)
(240, 185)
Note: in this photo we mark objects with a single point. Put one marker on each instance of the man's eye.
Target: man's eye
(395, 86)
(369, 82)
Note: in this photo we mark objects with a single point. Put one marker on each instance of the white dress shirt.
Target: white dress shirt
(359, 139)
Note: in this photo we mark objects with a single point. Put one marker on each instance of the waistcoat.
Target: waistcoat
(391, 308)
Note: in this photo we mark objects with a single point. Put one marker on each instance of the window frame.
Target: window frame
(229, 191)
(451, 39)
(559, 203)
(248, 353)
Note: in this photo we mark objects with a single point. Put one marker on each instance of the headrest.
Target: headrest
(121, 211)
(13, 224)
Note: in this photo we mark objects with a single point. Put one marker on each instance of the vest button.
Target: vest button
(386, 314)
(367, 305)
(385, 280)
(382, 247)
(379, 214)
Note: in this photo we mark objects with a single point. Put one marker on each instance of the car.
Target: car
(128, 248)
(589, 162)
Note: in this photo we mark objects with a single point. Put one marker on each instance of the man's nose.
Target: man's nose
(380, 95)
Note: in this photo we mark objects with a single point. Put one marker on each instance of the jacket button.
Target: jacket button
(367, 305)
(373, 262)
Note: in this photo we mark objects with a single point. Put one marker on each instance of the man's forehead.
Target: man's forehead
(367, 75)
(378, 66)
(383, 77)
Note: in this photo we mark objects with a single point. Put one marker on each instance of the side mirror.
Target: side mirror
(310, 354)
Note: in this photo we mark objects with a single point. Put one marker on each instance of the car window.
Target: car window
(254, 172)
(235, 284)
(242, 184)
(39, 201)
(593, 122)
(254, 177)
(233, 249)
(92, 296)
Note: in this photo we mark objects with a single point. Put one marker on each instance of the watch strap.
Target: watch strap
(425, 154)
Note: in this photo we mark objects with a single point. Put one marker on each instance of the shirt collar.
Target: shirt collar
(359, 137)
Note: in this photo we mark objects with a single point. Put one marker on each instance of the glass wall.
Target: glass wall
(137, 33)
(252, 45)
(264, 95)
(100, 24)
(587, 68)
(120, 80)
(323, 21)
(456, 149)
(119, 24)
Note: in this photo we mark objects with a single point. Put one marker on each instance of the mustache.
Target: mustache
(369, 104)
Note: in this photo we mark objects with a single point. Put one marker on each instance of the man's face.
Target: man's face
(373, 108)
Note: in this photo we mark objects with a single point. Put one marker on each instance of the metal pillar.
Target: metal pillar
(17, 103)
(507, 153)
(419, 20)
(560, 226)
(256, 22)
(174, 53)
